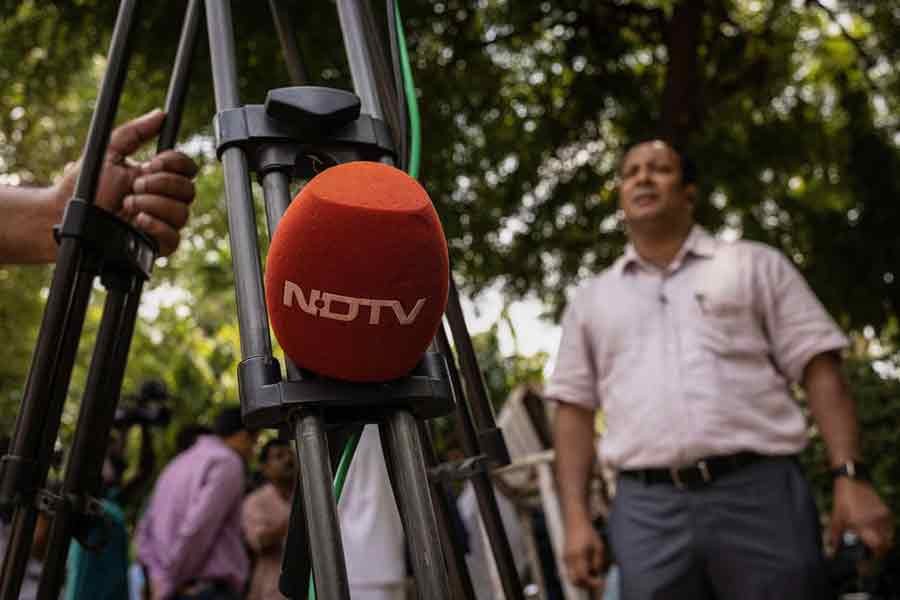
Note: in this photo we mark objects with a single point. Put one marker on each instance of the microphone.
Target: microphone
(357, 274)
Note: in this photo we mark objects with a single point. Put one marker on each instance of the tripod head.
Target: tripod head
(302, 130)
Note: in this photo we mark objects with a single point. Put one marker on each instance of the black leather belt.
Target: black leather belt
(697, 474)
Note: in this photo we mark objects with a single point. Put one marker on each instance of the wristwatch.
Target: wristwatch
(853, 469)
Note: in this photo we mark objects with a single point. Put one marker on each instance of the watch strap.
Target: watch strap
(852, 469)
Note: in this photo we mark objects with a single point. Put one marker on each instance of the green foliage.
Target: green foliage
(21, 306)
(789, 108)
(522, 158)
(876, 388)
(503, 372)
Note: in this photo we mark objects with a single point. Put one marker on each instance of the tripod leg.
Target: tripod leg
(95, 420)
(329, 567)
(42, 405)
(481, 482)
(289, 49)
(456, 560)
(17, 552)
(457, 571)
(488, 437)
(416, 509)
(181, 75)
(251, 303)
(295, 565)
(48, 380)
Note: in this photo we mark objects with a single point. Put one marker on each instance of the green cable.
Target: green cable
(415, 152)
(344, 465)
(415, 155)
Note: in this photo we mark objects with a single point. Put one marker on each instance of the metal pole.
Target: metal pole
(289, 49)
(320, 508)
(277, 197)
(350, 13)
(95, 420)
(476, 392)
(48, 379)
(108, 101)
(457, 569)
(42, 406)
(329, 567)
(82, 478)
(251, 304)
(413, 495)
(481, 482)
(181, 73)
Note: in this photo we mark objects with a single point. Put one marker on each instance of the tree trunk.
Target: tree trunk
(680, 114)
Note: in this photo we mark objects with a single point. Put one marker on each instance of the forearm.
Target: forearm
(832, 407)
(27, 217)
(575, 456)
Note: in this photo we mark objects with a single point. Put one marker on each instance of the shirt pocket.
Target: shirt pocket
(722, 320)
(730, 336)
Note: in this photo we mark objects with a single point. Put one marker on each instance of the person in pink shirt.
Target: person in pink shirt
(189, 539)
(689, 345)
(265, 517)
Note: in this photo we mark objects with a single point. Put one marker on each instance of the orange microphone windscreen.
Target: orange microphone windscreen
(357, 274)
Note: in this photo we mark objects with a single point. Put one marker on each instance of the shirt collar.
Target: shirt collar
(698, 243)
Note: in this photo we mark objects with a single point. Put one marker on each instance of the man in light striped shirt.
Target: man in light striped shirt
(689, 345)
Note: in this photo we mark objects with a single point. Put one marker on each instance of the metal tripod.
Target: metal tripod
(289, 137)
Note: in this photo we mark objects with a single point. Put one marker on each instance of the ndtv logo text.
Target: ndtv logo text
(346, 308)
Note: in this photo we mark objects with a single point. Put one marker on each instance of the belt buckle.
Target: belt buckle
(676, 478)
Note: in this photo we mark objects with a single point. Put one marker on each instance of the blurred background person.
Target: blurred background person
(266, 515)
(137, 576)
(99, 570)
(189, 539)
(188, 434)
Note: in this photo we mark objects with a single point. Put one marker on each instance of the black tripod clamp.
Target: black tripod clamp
(301, 130)
(88, 512)
(113, 247)
(267, 401)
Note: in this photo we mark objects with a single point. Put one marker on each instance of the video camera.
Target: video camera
(147, 407)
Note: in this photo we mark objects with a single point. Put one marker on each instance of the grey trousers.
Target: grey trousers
(753, 534)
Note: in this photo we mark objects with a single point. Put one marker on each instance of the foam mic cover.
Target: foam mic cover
(357, 273)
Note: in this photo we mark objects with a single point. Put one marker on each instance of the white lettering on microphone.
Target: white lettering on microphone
(346, 308)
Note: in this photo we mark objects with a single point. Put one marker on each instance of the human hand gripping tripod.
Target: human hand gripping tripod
(289, 137)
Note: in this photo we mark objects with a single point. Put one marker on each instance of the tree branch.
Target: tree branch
(864, 56)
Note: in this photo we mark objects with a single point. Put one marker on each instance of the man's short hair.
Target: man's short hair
(273, 443)
(688, 166)
(188, 434)
(229, 422)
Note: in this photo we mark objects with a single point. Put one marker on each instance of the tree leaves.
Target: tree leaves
(788, 108)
